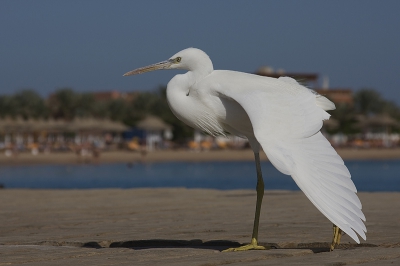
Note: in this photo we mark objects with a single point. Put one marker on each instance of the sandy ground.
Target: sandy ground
(179, 155)
(184, 227)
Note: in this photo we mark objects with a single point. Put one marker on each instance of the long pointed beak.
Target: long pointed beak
(161, 65)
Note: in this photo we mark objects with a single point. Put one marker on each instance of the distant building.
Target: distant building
(310, 80)
(102, 96)
(340, 96)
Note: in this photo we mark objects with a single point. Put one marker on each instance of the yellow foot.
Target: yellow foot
(337, 234)
(252, 246)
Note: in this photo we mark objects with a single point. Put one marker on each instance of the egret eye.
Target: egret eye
(178, 59)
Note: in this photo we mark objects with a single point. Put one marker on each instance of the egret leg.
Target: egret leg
(337, 234)
(260, 193)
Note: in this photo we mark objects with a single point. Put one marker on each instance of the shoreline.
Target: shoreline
(175, 156)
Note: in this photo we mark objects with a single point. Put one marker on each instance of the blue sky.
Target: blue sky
(88, 45)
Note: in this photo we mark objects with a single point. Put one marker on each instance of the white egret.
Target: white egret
(279, 115)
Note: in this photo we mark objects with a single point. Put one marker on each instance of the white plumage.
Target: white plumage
(280, 115)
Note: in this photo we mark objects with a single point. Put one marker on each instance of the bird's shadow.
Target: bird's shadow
(167, 243)
(219, 245)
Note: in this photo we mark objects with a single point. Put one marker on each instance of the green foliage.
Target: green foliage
(366, 102)
(62, 104)
(345, 115)
(7, 106)
(67, 104)
(369, 101)
(25, 104)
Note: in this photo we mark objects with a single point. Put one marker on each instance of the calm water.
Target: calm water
(367, 175)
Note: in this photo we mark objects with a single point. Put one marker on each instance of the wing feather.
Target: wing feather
(319, 180)
(286, 119)
(310, 171)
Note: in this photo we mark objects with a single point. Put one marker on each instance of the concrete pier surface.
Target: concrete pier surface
(179, 226)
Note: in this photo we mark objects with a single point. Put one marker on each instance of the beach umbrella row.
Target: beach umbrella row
(365, 122)
(8, 125)
(376, 121)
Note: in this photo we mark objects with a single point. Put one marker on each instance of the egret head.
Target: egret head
(190, 59)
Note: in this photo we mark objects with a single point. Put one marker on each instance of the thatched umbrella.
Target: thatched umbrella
(83, 124)
(6, 124)
(383, 121)
(154, 126)
(50, 125)
(56, 126)
(96, 125)
(153, 123)
(9, 125)
(378, 121)
(113, 126)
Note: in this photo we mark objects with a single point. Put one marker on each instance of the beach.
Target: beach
(178, 226)
(124, 156)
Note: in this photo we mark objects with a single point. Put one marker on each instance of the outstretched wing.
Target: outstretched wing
(286, 119)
